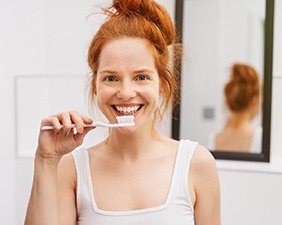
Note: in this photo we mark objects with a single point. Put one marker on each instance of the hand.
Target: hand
(53, 144)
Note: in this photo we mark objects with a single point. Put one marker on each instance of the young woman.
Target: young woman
(136, 175)
(242, 97)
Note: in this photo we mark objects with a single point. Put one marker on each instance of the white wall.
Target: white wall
(50, 37)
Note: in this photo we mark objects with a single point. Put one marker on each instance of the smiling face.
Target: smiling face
(127, 80)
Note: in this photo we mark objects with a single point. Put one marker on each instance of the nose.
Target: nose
(126, 91)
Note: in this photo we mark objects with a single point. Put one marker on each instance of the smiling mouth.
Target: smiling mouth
(127, 110)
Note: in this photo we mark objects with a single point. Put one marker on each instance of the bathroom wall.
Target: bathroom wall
(40, 37)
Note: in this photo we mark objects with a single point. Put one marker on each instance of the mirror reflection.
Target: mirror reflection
(222, 37)
(242, 99)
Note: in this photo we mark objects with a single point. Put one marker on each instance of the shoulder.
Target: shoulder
(203, 167)
(202, 157)
(66, 187)
(67, 161)
(206, 187)
(66, 169)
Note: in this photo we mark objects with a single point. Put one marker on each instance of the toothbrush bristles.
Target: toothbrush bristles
(125, 119)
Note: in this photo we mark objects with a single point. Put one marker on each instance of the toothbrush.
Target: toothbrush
(123, 121)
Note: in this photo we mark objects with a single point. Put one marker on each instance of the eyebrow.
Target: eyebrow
(144, 71)
(106, 71)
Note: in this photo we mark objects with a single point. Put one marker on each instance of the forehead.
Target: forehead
(127, 52)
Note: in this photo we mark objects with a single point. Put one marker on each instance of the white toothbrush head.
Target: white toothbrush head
(125, 121)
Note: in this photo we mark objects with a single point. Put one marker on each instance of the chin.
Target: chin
(126, 130)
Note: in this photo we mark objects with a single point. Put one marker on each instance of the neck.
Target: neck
(239, 121)
(134, 144)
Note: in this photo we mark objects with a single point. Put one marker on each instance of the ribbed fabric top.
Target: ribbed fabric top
(177, 208)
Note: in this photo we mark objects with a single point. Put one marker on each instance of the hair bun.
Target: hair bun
(151, 11)
(243, 85)
(126, 8)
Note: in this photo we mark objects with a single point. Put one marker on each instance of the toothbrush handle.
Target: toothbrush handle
(95, 124)
(48, 127)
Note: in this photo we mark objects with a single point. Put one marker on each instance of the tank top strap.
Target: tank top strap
(185, 153)
(84, 185)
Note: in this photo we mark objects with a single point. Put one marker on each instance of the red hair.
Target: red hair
(144, 19)
(243, 86)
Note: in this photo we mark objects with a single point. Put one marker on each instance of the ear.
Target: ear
(94, 90)
(94, 85)
(160, 93)
(161, 88)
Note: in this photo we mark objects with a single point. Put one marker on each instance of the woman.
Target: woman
(136, 175)
(242, 97)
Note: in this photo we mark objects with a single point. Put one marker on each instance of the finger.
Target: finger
(52, 121)
(66, 122)
(86, 119)
(78, 121)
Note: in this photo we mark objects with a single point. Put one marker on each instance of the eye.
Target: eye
(142, 77)
(110, 78)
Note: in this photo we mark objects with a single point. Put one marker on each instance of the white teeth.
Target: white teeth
(127, 110)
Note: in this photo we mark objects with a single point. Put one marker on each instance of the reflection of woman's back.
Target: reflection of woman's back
(242, 98)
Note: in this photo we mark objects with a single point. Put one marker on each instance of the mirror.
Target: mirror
(216, 34)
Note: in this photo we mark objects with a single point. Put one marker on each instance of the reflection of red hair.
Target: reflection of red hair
(243, 86)
(144, 19)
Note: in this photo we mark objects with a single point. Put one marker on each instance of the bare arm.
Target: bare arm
(44, 205)
(206, 187)
(67, 191)
(43, 200)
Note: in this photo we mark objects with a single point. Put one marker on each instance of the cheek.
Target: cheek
(152, 93)
(103, 95)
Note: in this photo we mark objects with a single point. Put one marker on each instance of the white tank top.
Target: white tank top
(177, 209)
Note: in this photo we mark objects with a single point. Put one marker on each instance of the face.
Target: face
(127, 81)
